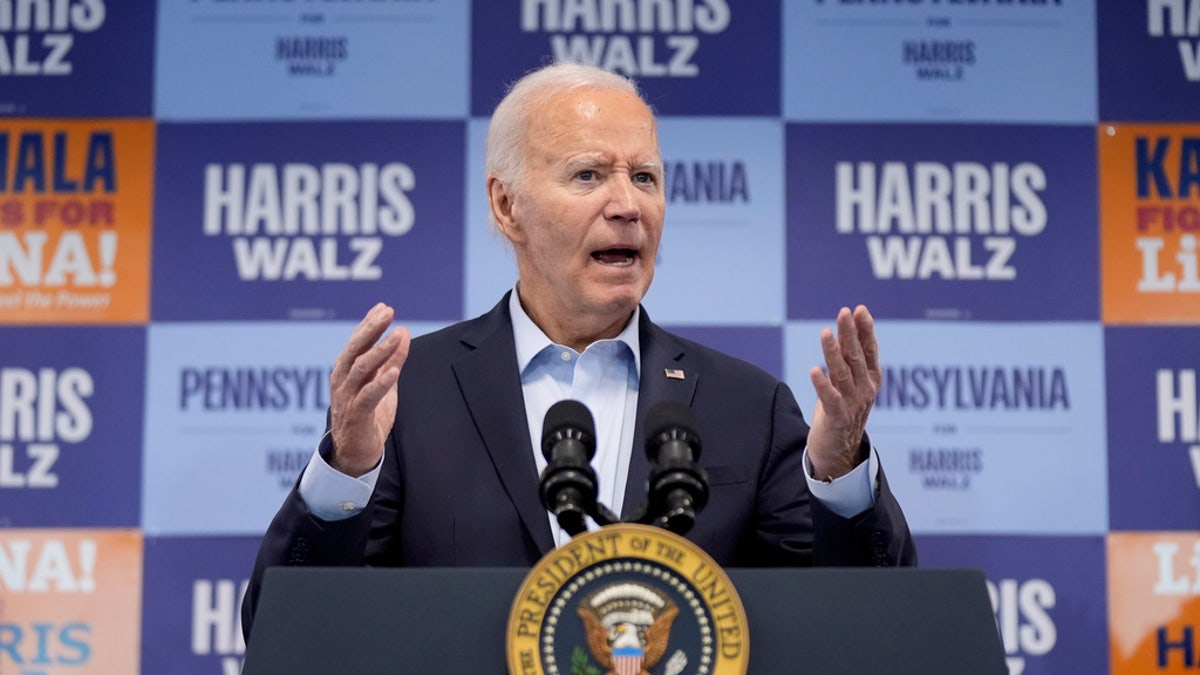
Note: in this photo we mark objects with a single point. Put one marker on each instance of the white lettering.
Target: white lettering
(308, 200)
(1177, 405)
(965, 198)
(216, 621)
(53, 568)
(29, 404)
(1169, 583)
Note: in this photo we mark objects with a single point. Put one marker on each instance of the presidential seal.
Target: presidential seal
(627, 600)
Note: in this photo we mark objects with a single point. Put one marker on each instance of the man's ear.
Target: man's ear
(500, 200)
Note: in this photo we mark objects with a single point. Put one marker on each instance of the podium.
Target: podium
(823, 621)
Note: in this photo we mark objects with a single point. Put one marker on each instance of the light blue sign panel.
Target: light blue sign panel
(722, 254)
(721, 260)
(254, 60)
(935, 61)
(233, 413)
(984, 428)
(490, 267)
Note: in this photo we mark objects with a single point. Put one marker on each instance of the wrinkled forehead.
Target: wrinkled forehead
(594, 120)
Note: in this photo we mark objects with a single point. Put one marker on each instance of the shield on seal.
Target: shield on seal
(627, 660)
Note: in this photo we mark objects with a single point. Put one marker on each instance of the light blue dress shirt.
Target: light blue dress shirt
(604, 378)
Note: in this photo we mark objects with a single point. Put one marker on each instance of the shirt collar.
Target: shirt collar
(531, 340)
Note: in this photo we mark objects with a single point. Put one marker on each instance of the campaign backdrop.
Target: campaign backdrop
(199, 200)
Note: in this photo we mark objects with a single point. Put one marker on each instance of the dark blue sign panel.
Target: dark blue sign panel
(1153, 427)
(88, 58)
(702, 57)
(70, 426)
(942, 222)
(760, 345)
(191, 616)
(308, 220)
(1149, 60)
(1047, 592)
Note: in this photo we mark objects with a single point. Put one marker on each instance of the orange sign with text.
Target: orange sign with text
(70, 601)
(1154, 602)
(1149, 223)
(75, 218)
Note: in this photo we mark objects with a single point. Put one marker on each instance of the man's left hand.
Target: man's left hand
(844, 395)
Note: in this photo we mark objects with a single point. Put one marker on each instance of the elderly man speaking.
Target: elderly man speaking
(431, 455)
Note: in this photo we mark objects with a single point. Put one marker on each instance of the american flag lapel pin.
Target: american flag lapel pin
(674, 374)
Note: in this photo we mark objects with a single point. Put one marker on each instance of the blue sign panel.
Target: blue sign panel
(1047, 592)
(702, 57)
(980, 425)
(1149, 60)
(308, 220)
(944, 61)
(760, 345)
(90, 58)
(70, 430)
(942, 222)
(252, 60)
(1154, 427)
(191, 614)
(724, 189)
(235, 409)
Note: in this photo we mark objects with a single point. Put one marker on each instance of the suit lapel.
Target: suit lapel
(491, 387)
(661, 352)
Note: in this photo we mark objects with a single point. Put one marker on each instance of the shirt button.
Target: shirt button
(566, 356)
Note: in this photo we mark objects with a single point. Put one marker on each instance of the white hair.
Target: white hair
(504, 152)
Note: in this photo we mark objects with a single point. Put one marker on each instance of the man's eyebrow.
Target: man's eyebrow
(586, 162)
(592, 162)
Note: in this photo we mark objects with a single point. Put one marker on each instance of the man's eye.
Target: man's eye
(586, 175)
(644, 177)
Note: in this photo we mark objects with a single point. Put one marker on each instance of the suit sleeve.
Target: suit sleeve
(796, 528)
(297, 538)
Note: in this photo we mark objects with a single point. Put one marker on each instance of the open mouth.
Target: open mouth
(620, 257)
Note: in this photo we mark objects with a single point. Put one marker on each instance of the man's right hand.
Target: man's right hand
(362, 391)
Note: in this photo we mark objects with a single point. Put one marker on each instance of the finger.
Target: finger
(870, 345)
(365, 334)
(399, 354)
(387, 353)
(377, 388)
(839, 376)
(850, 346)
(828, 395)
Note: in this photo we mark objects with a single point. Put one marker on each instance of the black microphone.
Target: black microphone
(678, 485)
(568, 483)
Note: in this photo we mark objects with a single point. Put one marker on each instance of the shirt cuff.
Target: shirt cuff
(330, 494)
(847, 495)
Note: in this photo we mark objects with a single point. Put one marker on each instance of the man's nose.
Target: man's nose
(622, 200)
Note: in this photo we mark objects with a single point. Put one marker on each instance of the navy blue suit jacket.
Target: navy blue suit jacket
(459, 485)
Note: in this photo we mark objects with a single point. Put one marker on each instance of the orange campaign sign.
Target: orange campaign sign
(70, 601)
(1154, 602)
(75, 205)
(1149, 223)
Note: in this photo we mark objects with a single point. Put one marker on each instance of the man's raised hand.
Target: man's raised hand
(362, 390)
(845, 395)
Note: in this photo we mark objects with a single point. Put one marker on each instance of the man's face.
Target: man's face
(587, 217)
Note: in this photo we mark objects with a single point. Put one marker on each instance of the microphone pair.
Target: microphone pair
(677, 486)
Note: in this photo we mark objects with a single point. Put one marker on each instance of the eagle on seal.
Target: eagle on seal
(627, 626)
